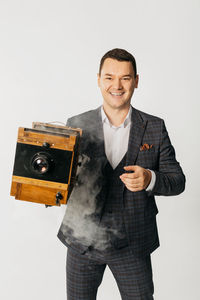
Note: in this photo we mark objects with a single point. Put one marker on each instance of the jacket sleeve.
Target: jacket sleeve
(170, 179)
(68, 123)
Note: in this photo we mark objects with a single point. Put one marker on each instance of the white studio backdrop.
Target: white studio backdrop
(49, 58)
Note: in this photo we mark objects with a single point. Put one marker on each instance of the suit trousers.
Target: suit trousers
(85, 272)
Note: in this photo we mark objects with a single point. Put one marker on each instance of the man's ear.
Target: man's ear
(98, 79)
(136, 80)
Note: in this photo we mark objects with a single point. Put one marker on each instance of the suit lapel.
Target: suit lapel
(137, 130)
(96, 131)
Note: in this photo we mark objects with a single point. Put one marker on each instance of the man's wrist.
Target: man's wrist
(152, 181)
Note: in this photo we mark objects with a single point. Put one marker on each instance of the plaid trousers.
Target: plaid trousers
(85, 272)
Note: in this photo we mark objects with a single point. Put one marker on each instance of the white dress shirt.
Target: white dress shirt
(116, 142)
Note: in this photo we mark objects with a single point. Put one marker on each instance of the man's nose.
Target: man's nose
(117, 84)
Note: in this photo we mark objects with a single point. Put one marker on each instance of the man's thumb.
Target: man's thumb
(130, 168)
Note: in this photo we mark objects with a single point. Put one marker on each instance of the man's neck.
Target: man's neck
(116, 116)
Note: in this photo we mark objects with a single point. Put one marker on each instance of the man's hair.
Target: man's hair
(121, 55)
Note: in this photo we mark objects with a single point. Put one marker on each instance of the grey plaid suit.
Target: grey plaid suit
(139, 208)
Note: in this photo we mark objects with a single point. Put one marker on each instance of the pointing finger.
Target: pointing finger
(130, 175)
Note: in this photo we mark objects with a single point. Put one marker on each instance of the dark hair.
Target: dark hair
(121, 55)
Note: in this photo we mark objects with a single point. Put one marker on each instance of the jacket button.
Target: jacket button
(110, 211)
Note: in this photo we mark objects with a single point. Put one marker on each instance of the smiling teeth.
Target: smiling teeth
(116, 94)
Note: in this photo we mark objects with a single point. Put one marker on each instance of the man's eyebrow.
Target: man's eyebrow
(126, 75)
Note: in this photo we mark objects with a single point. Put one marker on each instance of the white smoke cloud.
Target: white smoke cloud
(82, 207)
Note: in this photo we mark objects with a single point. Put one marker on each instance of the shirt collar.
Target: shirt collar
(124, 124)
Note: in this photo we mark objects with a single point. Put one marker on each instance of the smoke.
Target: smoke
(82, 220)
(83, 206)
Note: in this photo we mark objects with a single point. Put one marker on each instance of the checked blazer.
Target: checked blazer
(139, 208)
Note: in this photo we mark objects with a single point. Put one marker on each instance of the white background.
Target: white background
(49, 58)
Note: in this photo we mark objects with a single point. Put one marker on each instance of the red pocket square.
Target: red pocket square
(145, 147)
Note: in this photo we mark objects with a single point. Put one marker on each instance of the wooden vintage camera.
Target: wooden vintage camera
(45, 163)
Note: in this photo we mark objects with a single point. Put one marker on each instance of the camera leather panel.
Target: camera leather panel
(59, 170)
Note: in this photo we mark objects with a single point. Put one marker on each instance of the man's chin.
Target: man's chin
(119, 106)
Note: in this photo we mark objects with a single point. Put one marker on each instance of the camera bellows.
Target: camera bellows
(45, 163)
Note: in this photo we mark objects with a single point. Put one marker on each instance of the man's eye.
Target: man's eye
(126, 78)
(109, 78)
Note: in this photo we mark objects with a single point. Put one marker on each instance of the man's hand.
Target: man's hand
(138, 180)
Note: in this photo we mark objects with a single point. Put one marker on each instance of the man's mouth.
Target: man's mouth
(116, 94)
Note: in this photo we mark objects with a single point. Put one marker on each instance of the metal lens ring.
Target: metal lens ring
(41, 163)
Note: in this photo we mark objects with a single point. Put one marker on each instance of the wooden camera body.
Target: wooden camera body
(45, 163)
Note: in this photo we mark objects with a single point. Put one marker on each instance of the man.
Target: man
(126, 159)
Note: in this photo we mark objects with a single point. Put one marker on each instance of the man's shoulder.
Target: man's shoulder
(84, 118)
(90, 117)
(148, 117)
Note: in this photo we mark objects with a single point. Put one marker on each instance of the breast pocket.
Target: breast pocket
(148, 159)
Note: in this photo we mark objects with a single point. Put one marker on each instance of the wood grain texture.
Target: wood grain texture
(37, 139)
(38, 194)
(42, 183)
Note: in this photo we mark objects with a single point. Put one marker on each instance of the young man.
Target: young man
(126, 159)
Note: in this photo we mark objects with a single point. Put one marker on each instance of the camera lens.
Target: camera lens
(41, 163)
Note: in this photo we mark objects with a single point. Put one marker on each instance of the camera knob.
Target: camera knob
(59, 196)
(46, 145)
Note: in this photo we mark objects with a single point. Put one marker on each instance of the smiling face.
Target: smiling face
(117, 82)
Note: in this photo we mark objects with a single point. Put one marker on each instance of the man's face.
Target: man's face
(117, 82)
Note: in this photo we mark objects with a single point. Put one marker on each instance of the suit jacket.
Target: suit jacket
(139, 211)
